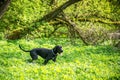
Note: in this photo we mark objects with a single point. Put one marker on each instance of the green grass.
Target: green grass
(77, 62)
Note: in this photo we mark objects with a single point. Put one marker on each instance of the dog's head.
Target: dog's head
(58, 49)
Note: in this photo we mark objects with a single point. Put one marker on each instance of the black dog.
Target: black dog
(47, 54)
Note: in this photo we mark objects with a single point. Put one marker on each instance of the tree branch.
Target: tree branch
(99, 20)
(56, 12)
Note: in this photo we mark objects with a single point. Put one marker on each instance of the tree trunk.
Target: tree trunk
(3, 7)
(73, 28)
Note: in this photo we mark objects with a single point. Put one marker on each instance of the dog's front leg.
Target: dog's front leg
(45, 62)
(54, 59)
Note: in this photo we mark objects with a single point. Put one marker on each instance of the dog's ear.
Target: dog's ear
(55, 49)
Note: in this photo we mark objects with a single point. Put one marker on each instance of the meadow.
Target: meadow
(78, 62)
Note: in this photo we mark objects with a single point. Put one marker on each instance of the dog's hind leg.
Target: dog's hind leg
(34, 56)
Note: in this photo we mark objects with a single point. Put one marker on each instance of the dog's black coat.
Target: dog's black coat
(47, 54)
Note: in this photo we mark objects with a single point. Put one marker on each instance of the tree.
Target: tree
(21, 32)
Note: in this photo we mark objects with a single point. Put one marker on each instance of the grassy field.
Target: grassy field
(78, 62)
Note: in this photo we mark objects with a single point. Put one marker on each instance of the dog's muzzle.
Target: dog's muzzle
(60, 53)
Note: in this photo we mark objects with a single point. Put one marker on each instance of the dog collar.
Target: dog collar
(53, 52)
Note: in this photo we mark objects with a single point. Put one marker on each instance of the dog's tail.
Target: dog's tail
(23, 49)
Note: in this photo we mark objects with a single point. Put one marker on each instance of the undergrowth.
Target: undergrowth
(78, 62)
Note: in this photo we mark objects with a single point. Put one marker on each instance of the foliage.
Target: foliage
(26, 14)
(95, 9)
(94, 33)
(77, 62)
(23, 13)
